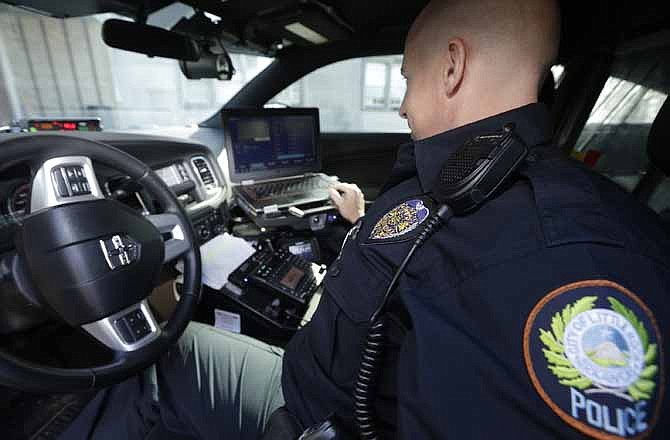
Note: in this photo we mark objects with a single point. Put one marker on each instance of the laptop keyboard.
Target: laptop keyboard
(291, 187)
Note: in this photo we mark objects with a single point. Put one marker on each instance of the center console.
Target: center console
(208, 224)
(287, 275)
(272, 293)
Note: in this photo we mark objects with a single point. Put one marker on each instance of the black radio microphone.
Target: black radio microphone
(474, 172)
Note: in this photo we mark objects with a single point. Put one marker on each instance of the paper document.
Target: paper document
(220, 257)
(227, 321)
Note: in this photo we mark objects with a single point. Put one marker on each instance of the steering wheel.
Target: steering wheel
(92, 262)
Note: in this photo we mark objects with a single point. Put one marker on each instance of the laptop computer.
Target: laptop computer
(274, 158)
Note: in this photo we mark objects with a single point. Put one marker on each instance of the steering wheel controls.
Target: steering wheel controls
(127, 330)
(70, 181)
(64, 180)
(133, 326)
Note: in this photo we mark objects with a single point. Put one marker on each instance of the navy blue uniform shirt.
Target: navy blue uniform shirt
(541, 315)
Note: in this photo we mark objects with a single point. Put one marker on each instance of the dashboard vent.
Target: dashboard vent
(204, 170)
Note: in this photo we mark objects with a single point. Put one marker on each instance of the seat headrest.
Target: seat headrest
(658, 142)
(548, 91)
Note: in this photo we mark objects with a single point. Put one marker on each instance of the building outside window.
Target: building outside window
(374, 91)
(397, 88)
(61, 68)
(383, 85)
(292, 96)
(360, 95)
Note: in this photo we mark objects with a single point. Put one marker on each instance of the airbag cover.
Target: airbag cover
(64, 249)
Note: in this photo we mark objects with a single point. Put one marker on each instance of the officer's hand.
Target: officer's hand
(349, 200)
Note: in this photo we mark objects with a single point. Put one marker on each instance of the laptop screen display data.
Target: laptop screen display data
(270, 142)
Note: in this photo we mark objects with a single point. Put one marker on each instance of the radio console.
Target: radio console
(209, 224)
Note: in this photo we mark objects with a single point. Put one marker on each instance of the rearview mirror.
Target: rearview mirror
(149, 40)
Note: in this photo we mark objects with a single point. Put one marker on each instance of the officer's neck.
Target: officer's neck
(473, 114)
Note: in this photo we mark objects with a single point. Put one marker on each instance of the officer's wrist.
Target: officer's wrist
(352, 217)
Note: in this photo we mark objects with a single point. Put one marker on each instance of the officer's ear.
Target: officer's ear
(454, 70)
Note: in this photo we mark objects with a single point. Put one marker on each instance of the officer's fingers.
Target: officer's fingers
(342, 190)
(350, 190)
(335, 196)
(340, 186)
(347, 186)
(354, 189)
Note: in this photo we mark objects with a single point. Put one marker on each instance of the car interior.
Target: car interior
(188, 147)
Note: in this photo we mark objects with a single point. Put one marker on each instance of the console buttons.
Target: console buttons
(124, 331)
(59, 183)
(138, 324)
(133, 326)
(74, 187)
(70, 181)
(204, 233)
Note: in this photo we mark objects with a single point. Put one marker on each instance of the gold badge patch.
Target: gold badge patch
(402, 219)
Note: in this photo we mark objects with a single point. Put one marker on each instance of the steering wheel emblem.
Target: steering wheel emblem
(119, 251)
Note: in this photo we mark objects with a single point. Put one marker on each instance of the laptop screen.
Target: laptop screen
(267, 143)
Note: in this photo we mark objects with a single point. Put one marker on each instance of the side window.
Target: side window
(361, 95)
(614, 139)
(384, 86)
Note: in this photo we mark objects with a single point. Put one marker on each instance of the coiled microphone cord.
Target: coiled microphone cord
(373, 352)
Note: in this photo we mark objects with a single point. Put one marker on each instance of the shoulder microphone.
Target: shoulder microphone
(474, 172)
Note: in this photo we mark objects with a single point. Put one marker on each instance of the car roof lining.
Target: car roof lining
(361, 15)
(586, 25)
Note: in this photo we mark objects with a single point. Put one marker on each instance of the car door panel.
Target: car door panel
(365, 159)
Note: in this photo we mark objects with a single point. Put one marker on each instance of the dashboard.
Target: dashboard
(16, 200)
(188, 167)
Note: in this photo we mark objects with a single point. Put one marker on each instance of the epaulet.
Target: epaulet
(568, 204)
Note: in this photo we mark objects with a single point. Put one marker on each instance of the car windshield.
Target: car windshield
(61, 68)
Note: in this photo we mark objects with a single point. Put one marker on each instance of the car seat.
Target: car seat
(160, 432)
(658, 151)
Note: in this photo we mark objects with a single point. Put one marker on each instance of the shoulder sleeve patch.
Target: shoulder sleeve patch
(594, 354)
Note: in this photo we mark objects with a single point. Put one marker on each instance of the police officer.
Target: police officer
(540, 315)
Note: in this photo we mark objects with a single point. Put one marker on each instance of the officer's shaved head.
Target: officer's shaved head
(469, 59)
